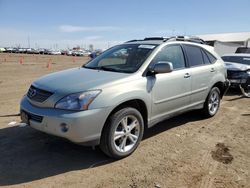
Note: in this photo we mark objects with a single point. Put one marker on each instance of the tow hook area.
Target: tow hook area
(226, 86)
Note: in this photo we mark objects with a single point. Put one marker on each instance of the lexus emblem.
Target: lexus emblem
(32, 93)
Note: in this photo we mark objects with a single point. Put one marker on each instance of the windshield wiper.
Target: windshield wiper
(105, 68)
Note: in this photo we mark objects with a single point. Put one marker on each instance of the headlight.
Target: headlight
(248, 72)
(77, 101)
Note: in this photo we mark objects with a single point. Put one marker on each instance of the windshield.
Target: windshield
(237, 59)
(126, 58)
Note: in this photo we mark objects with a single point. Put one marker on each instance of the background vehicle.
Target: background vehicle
(238, 71)
(244, 50)
(2, 49)
(32, 51)
(130, 87)
(22, 50)
(80, 53)
(69, 52)
(54, 52)
(9, 50)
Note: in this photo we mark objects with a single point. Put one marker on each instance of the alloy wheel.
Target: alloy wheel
(126, 133)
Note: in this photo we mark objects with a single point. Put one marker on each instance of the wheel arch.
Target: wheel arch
(221, 87)
(138, 104)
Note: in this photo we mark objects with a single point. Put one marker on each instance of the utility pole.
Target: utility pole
(28, 41)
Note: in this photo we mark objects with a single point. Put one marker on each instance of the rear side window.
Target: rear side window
(211, 57)
(205, 57)
(173, 54)
(194, 55)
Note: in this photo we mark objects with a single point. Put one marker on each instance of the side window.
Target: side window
(211, 57)
(205, 57)
(173, 54)
(194, 55)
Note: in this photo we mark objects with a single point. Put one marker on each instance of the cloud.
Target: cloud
(71, 28)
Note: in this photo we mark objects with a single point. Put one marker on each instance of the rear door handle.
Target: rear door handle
(212, 70)
(187, 75)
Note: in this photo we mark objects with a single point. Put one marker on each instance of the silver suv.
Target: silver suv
(112, 99)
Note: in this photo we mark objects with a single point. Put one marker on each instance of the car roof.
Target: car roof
(237, 55)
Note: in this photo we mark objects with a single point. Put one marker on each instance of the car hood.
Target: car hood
(77, 80)
(237, 66)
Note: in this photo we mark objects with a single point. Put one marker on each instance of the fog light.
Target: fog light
(64, 127)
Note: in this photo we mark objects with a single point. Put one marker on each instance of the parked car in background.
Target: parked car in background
(77, 53)
(69, 52)
(54, 52)
(2, 50)
(41, 50)
(9, 50)
(241, 50)
(64, 52)
(15, 50)
(130, 87)
(22, 50)
(46, 51)
(86, 53)
(238, 70)
(32, 51)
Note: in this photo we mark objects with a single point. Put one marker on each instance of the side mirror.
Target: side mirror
(162, 67)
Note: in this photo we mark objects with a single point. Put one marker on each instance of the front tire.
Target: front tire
(212, 103)
(122, 133)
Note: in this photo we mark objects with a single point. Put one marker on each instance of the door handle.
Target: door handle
(187, 75)
(212, 70)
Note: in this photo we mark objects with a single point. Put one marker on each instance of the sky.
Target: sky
(65, 24)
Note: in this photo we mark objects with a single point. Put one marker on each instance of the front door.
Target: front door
(171, 91)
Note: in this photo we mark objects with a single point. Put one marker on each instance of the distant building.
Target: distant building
(227, 42)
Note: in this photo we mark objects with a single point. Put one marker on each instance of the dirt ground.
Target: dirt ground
(181, 152)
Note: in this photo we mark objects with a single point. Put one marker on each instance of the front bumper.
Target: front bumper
(83, 127)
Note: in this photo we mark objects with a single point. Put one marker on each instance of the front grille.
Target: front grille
(38, 95)
(34, 117)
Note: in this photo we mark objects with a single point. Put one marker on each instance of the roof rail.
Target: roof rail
(148, 38)
(133, 40)
(174, 38)
(187, 38)
(154, 38)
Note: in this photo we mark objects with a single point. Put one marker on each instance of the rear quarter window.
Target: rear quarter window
(211, 57)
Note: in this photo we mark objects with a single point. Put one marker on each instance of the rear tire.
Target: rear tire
(122, 133)
(212, 104)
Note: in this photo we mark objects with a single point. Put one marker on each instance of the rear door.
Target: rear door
(171, 91)
(201, 70)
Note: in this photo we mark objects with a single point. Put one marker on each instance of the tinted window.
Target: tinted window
(171, 54)
(194, 55)
(205, 57)
(210, 56)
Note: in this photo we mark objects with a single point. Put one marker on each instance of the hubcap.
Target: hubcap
(126, 133)
(213, 103)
